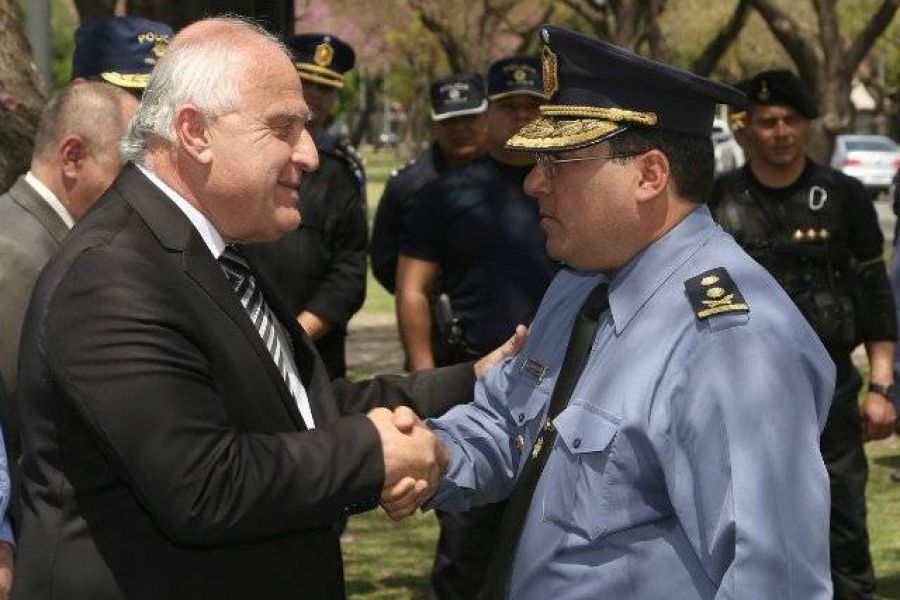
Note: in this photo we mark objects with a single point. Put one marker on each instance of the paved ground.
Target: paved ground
(373, 345)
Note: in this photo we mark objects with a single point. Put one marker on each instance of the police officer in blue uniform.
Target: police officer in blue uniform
(816, 231)
(458, 129)
(657, 436)
(119, 50)
(320, 269)
(476, 229)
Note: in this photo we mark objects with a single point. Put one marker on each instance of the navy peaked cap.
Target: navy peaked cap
(321, 58)
(597, 90)
(119, 50)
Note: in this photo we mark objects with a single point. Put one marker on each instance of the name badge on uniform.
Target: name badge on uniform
(534, 370)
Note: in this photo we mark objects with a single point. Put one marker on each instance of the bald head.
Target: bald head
(96, 112)
(76, 151)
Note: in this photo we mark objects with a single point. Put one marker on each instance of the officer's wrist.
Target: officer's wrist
(883, 389)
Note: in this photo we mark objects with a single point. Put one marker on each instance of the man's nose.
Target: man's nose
(305, 154)
(537, 182)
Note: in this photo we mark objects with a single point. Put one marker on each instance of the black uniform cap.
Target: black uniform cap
(598, 90)
(321, 58)
(119, 50)
(783, 88)
(515, 75)
(457, 96)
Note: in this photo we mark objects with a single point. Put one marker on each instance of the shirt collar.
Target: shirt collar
(204, 226)
(50, 198)
(638, 280)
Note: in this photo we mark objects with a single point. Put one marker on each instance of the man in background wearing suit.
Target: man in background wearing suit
(75, 158)
(181, 437)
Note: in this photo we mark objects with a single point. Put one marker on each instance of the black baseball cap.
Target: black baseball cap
(457, 96)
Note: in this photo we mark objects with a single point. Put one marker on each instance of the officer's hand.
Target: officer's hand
(877, 417)
(510, 348)
(416, 453)
(403, 498)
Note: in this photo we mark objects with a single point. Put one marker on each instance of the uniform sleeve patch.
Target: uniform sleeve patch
(714, 293)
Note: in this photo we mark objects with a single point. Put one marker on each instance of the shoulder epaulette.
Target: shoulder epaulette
(714, 293)
(344, 150)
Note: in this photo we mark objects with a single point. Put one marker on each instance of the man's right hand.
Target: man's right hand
(410, 451)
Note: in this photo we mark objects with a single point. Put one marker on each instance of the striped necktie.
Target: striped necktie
(242, 280)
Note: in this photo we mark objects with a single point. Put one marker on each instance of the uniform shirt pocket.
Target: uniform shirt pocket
(578, 471)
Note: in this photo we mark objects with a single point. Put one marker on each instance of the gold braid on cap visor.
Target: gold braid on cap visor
(584, 125)
(320, 75)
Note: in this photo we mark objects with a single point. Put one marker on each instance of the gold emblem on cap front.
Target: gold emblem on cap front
(763, 93)
(551, 76)
(519, 75)
(324, 54)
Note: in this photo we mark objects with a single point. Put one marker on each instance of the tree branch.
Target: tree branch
(788, 33)
(871, 32)
(719, 45)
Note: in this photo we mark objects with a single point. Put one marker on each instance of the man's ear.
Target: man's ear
(653, 174)
(192, 133)
(72, 152)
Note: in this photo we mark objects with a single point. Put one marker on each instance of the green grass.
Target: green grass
(391, 561)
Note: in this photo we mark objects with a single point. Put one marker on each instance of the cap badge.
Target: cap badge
(159, 48)
(549, 63)
(324, 54)
(519, 75)
(545, 36)
(763, 93)
(453, 94)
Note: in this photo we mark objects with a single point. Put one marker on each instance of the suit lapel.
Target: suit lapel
(176, 233)
(27, 197)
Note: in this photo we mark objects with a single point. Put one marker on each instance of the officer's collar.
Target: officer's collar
(638, 280)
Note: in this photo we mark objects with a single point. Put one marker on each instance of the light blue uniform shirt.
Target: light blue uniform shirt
(687, 463)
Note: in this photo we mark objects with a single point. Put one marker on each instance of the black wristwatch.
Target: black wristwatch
(883, 390)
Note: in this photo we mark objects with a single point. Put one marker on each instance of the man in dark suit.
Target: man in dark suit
(180, 436)
(75, 158)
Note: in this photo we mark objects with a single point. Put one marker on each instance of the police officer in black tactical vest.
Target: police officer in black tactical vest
(816, 231)
(458, 129)
(320, 269)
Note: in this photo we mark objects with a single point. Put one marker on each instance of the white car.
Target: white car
(873, 159)
(729, 155)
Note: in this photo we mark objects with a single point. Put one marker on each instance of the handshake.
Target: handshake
(414, 460)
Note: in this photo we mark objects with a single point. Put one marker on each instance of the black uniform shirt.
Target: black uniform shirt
(478, 224)
(393, 213)
(321, 267)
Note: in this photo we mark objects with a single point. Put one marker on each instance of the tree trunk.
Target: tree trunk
(21, 96)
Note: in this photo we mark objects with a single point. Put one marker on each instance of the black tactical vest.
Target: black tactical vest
(799, 235)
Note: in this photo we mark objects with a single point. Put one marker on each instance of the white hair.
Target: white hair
(203, 71)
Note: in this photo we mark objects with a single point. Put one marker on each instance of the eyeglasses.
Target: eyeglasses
(548, 163)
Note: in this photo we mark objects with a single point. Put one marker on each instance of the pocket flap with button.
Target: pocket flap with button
(585, 429)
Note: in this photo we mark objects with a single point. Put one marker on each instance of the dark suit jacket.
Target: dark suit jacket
(163, 455)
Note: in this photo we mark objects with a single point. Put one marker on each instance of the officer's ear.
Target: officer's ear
(192, 132)
(652, 174)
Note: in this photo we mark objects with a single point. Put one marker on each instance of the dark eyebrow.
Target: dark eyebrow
(286, 119)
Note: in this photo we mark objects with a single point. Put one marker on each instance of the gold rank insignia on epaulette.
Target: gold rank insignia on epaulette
(713, 293)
